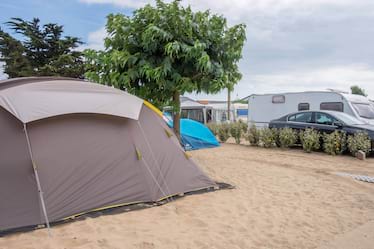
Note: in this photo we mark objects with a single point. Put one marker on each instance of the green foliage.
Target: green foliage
(358, 90)
(213, 127)
(236, 130)
(287, 137)
(223, 132)
(359, 141)
(268, 137)
(310, 140)
(42, 51)
(167, 50)
(243, 125)
(253, 136)
(335, 143)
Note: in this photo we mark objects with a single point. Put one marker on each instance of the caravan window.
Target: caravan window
(279, 99)
(303, 107)
(364, 110)
(332, 106)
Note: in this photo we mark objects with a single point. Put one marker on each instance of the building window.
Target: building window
(242, 112)
(279, 99)
(195, 114)
(303, 107)
(332, 106)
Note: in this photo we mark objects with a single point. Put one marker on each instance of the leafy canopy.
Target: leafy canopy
(41, 52)
(166, 50)
(358, 90)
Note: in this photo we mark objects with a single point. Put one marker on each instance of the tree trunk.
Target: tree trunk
(228, 104)
(177, 116)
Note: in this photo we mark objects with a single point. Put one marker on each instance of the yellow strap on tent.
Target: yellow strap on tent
(187, 155)
(153, 108)
(168, 133)
(101, 209)
(138, 154)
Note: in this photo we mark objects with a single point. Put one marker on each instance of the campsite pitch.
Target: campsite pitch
(282, 199)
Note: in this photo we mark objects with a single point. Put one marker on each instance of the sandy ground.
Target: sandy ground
(283, 199)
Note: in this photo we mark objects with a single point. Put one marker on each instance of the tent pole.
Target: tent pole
(37, 181)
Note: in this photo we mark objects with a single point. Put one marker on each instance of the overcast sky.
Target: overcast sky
(292, 45)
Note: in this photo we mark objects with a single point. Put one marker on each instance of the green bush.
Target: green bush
(268, 137)
(243, 125)
(213, 127)
(253, 136)
(359, 141)
(236, 130)
(335, 143)
(310, 139)
(287, 137)
(223, 132)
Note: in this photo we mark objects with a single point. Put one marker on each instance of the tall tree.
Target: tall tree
(164, 51)
(41, 52)
(358, 90)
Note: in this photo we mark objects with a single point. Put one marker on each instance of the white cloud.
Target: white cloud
(95, 40)
(3, 76)
(240, 9)
(120, 3)
(296, 45)
(335, 77)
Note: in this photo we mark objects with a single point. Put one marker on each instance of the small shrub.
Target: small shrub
(243, 125)
(335, 143)
(236, 131)
(268, 137)
(213, 127)
(359, 141)
(310, 139)
(287, 137)
(253, 136)
(223, 132)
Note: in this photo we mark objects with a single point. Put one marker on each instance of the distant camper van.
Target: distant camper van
(266, 107)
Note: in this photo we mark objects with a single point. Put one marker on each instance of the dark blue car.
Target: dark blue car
(325, 122)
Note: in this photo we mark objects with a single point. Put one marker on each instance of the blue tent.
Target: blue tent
(194, 135)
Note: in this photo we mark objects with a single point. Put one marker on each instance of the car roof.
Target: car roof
(328, 112)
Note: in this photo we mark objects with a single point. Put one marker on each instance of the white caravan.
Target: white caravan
(265, 107)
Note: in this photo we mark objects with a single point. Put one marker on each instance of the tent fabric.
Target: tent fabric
(48, 97)
(194, 135)
(19, 200)
(86, 161)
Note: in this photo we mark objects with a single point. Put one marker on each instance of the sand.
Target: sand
(283, 199)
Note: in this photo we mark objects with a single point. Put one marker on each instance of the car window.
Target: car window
(325, 119)
(305, 117)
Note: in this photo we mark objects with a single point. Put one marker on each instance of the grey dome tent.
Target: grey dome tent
(69, 147)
